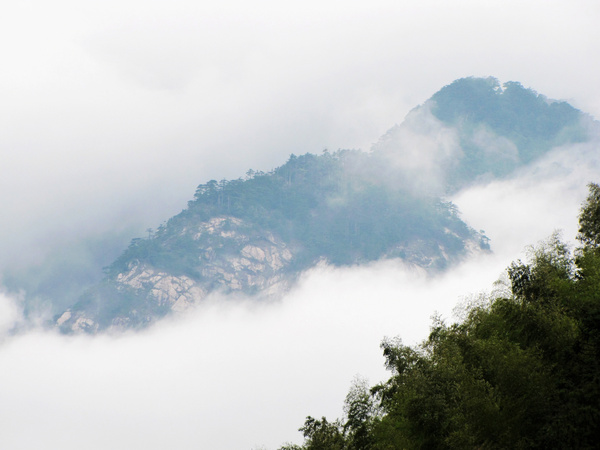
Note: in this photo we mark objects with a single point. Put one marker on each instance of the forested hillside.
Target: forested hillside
(255, 234)
(331, 206)
(521, 371)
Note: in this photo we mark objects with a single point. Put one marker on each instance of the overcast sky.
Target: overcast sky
(113, 112)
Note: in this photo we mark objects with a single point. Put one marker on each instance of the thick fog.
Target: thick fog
(113, 113)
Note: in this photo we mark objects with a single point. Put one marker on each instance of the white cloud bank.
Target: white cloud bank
(231, 375)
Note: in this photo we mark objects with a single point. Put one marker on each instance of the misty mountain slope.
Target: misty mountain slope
(254, 235)
(476, 129)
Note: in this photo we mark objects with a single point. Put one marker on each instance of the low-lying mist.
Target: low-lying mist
(232, 364)
(239, 374)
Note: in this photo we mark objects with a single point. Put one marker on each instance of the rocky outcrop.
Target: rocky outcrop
(229, 258)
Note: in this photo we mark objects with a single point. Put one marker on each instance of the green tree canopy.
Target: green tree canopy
(520, 371)
(589, 219)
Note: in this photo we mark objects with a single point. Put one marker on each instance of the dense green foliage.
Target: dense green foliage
(589, 222)
(520, 372)
(331, 206)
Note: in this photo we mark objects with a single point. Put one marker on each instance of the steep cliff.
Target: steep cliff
(229, 258)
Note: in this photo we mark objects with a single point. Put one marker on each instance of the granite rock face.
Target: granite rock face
(228, 259)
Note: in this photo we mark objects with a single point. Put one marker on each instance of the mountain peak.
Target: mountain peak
(476, 129)
(509, 109)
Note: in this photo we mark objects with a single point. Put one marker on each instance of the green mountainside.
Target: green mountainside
(255, 234)
(320, 206)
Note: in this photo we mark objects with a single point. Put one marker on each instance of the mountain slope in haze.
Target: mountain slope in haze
(476, 129)
(254, 235)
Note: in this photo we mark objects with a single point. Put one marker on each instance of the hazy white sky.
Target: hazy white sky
(113, 112)
(126, 106)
